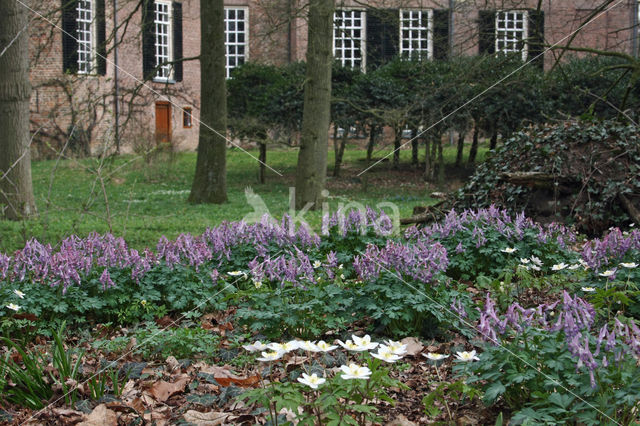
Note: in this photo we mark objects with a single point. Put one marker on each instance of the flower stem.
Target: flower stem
(444, 399)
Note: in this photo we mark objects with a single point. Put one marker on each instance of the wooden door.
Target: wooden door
(163, 123)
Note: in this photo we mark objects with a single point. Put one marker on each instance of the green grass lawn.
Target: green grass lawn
(146, 201)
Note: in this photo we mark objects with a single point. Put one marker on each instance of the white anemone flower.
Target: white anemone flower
(509, 250)
(385, 354)
(435, 356)
(536, 260)
(608, 273)
(257, 346)
(323, 346)
(349, 345)
(524, 260)
(396, 348)
(317, 264)
(257, 284)
(19, 294)
(237, 274)
(364, 343)
(467, 356)
(13, 307)
(311, 380)
(574, 267)
(559, 266)
(630, 265)
(289, 346)
(588, 289)
(308, 345)
(271, 356)
(355, 371)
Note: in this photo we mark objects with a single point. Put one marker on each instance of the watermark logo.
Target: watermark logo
(383, 218)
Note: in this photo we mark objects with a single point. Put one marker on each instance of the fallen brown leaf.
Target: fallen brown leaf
(211, 418)
(172, 363)
(100, 416)
(414, 347)
(401, 421)
(225, 377)
(162, 390)
(165, 321)
(137, 405)
(66, 416)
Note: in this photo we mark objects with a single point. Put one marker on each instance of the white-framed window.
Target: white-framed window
(349, 38)
(164, 40)
(512, 31)
(416, 34)
(236, 36)
(85, 34)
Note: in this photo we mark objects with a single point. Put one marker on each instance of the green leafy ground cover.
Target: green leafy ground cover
(147, 201)
(482, 317)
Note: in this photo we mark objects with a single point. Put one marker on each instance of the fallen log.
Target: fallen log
(630, 208)
(537, 179)
(425, 214)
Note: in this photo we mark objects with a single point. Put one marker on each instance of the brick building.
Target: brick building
(90, 91)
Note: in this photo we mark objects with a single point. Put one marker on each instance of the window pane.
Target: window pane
(236, 37)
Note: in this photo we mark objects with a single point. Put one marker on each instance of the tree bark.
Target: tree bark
(473, 151)
(494, 141)
(440, 164)
(263, 162)
(427, 159)
(16, 189)
(372, 142)
(340, 147)
(459, 154)
(311, 171)
(397, 143)
(210, 180)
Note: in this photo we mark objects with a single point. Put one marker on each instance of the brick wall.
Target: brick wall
(277, 34)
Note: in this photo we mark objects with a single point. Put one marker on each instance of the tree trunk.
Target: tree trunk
(494, 140)
(263, 162)
(311, 172)
(427, 160)
(372, 143)
(437, 140)
(340, 154)
(461, 136)
(210, 180)
(414, 150)
(335, 149)
(16, 190)
(440, 164)
(473, 152)
(397, 143)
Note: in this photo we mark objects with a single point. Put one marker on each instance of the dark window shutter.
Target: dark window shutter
(383, 32)
(69, 34)
(148, 40)
(487, 31)
(536, 37)
(101, 38)
(177, 41)
(441, 34)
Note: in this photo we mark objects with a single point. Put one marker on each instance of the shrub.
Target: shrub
(587, 165)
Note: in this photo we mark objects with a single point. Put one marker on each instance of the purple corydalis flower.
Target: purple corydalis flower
(106, 280)
(612, 248)
(457, 307)
(419, 261)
